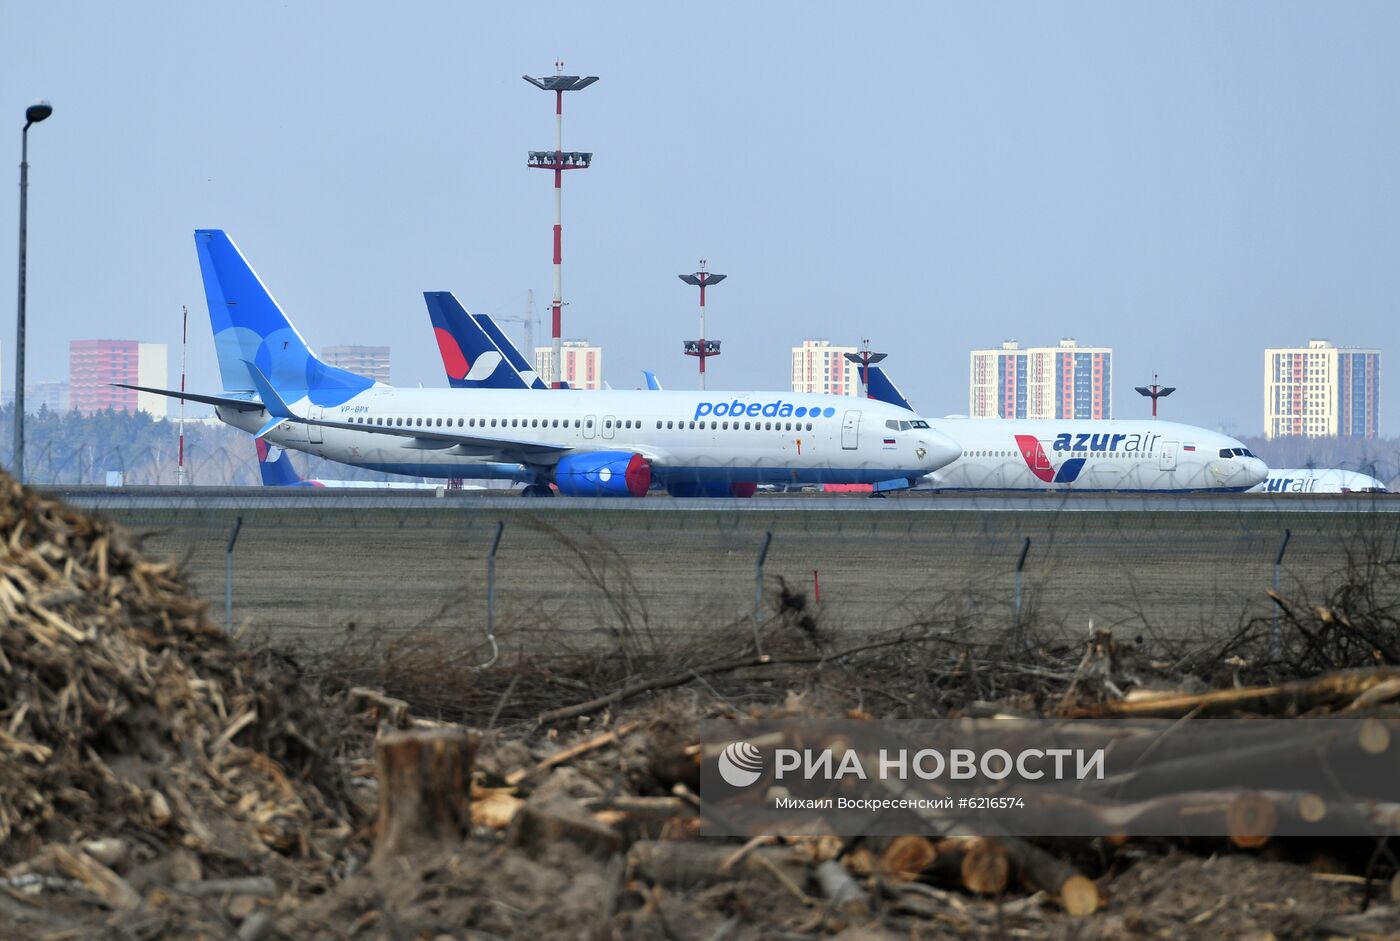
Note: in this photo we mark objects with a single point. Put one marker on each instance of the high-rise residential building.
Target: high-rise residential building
(819, 367)
(1064, 381)
(1321, 390)
(94, 365)
(372, 362)
(582, 366)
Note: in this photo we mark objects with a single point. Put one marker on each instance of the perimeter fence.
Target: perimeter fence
(312, 571)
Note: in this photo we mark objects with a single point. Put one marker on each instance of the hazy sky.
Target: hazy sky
(1185, 182)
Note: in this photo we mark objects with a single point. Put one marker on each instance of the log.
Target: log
(1077, 895)
(975, 863)
(905, 857)
(685, 865)
(1251, 820)
(841, 890)
(544, 822)
(424, 790)
(1334, 689)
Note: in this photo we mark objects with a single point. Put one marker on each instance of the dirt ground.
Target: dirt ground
(161, 780)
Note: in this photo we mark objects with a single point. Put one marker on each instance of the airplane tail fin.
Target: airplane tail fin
(469, 355)
(653, 383)
(511, 352)
(276, 467)
(882, 389)
(249, 327)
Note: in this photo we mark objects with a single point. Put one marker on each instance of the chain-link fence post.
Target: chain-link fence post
(491, 594)
(1277, 635)
(1020, 567)
(228, 576)
(758, 590)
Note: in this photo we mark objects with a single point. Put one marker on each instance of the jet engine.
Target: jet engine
(603, 474)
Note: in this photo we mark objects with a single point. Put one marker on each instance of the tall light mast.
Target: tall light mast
(865, 359)
(1155, 392)
(702, 347)
(559, 161)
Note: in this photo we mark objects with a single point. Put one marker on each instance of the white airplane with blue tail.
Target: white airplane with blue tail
(622, 443)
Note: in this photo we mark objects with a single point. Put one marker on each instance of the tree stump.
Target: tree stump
(424, 790)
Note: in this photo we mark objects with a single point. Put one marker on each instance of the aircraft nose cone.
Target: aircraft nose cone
(941, 450)
(1255, 471)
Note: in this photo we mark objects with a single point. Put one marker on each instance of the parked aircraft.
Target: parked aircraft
(1319, 480)
(1069, 454)
(584, 443)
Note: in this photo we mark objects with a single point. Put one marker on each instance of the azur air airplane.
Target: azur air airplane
(1099, 454)
(584, 443)
(1318, 480)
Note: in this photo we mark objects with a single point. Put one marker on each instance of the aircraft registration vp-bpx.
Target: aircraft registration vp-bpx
(585, 443)
(1319, 480)
(1029, 454)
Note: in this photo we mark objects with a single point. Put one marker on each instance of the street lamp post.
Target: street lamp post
(32, 115)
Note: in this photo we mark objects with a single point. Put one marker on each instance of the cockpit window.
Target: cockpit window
(919, 424)
(1225, 452)
(905, 425)
(892, 425)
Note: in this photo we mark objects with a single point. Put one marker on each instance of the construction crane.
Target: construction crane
(529, 320)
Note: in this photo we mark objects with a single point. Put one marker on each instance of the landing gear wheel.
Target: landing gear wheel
(537, 490)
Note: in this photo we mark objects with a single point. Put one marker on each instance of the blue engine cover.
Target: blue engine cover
(603, 474)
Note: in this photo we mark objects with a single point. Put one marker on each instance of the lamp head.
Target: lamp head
(37, 112)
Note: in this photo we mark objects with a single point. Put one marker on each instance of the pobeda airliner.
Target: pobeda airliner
(584, 443)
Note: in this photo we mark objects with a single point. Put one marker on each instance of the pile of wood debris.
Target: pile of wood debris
(141, 754)
(157, 782)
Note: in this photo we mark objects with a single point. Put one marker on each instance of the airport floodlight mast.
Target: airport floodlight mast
(866, 359)
(1155, 392)
(32, 115)
(702, 347)
(558, 160)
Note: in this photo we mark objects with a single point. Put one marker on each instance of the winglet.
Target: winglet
(653, 383)
(273, 402)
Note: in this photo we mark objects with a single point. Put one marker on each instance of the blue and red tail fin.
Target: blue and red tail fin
(511, 352)
(276, 467)
(249, 327)
(470, 357)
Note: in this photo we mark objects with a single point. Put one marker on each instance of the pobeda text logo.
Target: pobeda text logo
(778, 409)
(740, 764)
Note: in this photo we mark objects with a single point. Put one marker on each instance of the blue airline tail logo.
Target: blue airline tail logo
(249, 327)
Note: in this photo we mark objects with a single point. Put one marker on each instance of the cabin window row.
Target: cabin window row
(577, 423)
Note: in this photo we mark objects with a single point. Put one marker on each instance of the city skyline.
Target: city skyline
(1188, 187)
